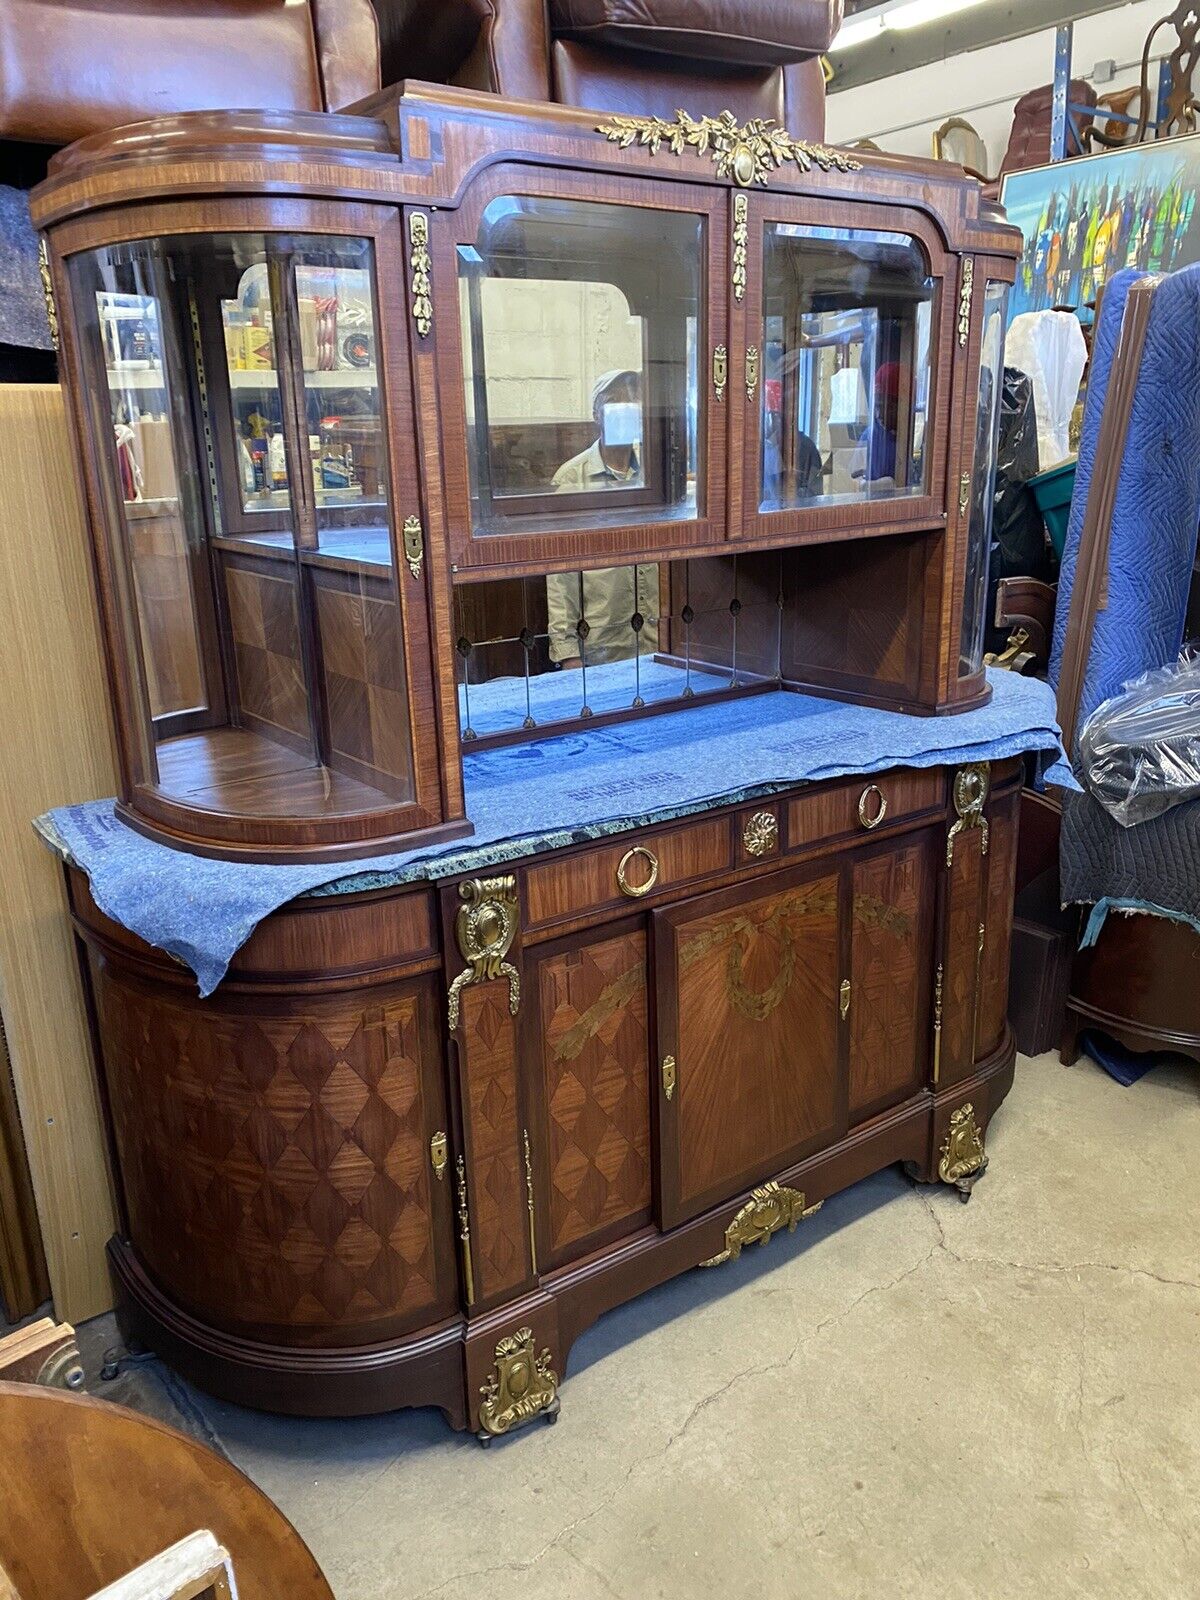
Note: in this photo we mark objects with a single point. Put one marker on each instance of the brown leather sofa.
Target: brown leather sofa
(758, 58)
(73, 67)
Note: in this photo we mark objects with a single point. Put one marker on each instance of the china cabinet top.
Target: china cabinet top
(424, 142)
(461, 420)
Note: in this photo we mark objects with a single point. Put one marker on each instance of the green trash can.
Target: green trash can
(1052, 490)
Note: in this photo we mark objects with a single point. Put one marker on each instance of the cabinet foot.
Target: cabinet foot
(520, 1387)
(963, 1159)
(965, 1185)
(549, 1416)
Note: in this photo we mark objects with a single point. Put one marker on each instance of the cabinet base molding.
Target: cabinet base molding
(496, 1372)
(345, 1381)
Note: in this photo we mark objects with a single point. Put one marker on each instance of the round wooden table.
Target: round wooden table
(89, 1490)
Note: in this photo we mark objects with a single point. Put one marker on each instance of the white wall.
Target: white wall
(900, 113)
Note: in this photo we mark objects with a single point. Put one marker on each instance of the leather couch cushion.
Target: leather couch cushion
(73, 67)
(347, 34)
(634, 82)
(745, 32)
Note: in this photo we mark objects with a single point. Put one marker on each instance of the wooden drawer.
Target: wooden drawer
(860, 804)
(562, 888)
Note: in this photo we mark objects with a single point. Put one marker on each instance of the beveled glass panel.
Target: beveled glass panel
(846, 371)
(565, 648)
(983, 479)
(240, 412)
(580, 337)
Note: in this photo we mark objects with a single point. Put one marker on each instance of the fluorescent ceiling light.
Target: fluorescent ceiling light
(915, 13)
(857, 30)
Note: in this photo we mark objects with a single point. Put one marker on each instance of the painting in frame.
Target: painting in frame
(1085, 219)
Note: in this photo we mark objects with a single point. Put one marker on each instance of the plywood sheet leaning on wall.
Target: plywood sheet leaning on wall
(57, 748)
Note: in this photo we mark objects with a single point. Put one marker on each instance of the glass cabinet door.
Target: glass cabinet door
(842, 324)
(584, 340)
(238, 402)
(985, 442)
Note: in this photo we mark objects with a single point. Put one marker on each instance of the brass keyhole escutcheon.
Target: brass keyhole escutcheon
(635, 891)
(844, 999)
(720, 370)
(872, 806)
(668, 1075)
(438, 1155)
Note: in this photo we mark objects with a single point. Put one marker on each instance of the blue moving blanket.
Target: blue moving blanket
(554, 792)
(1157, 508)
(1154, 867)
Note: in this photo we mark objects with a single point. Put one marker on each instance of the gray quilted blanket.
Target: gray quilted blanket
(1152, 865)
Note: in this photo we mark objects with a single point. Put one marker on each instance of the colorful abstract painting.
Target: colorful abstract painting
(1085, 219)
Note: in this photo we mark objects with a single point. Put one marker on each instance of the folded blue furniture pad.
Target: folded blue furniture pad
(1157, 507)
(1153, 867)
(552, 792)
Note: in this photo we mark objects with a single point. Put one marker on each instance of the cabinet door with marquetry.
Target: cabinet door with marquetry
(588, 1046)
(275, 1154)
(892, 898)
(1000, 892)
(750, 1040)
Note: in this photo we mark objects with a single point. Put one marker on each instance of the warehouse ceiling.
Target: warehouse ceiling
(989, 23)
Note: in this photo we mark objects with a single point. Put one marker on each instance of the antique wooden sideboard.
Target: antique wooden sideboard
(460, 426)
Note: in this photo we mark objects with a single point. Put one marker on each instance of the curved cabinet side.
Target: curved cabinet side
(274, 1156)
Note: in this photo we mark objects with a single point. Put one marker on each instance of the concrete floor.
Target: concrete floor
(908, 1397)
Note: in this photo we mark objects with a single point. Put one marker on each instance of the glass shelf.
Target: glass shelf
(343, 378)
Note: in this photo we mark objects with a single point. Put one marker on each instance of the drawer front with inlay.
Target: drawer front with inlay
(629, 869)
(860, 805)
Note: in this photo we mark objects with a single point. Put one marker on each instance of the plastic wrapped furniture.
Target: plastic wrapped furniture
(1140, 751)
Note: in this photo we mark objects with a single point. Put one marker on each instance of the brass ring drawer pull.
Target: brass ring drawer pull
(871, 819)
(635, 891)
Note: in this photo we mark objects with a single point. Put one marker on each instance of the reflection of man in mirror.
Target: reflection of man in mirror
(615, 456)
(609, 599)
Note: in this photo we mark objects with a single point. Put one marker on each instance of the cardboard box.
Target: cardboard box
(258, 349)
(308, 332)
(152, 447)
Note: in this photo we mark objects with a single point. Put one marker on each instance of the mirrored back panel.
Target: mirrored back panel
(569, 647)
(560, 650)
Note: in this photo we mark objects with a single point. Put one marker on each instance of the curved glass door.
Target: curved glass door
(983, 480)
(239, 404)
